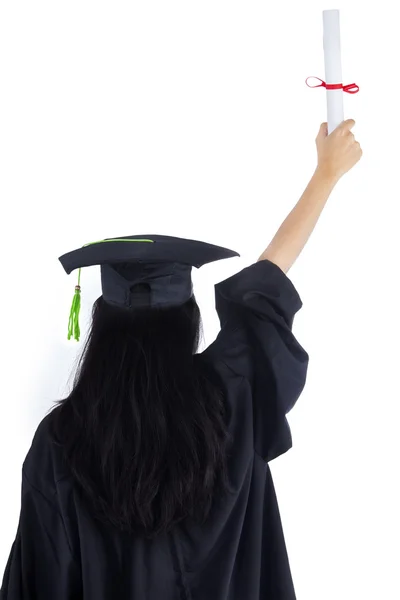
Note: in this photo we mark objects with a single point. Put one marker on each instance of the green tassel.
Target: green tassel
(73, 325)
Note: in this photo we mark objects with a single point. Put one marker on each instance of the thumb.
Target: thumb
(323, 130)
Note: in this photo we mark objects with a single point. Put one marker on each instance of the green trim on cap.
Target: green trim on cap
(116, 240)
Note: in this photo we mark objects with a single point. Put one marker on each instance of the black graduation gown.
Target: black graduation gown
(61, 553)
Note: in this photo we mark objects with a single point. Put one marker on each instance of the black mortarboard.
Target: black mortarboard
(162, 262)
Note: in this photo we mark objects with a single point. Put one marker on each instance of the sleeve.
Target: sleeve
(40, 565)
(256, 308)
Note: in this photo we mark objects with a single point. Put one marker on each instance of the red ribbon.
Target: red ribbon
(351, 88)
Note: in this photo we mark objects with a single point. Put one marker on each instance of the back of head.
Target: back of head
(143, 429)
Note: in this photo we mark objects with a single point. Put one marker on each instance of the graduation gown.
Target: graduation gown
(62, 553)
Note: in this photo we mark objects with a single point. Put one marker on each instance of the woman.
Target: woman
(151, 480)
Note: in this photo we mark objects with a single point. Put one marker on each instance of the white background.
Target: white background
(193, 119)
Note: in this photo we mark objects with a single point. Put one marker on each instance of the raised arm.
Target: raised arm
(337, 154)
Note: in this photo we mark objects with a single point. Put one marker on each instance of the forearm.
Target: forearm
(294, 232)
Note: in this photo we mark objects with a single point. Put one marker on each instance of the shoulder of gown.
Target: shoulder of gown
(256, 309)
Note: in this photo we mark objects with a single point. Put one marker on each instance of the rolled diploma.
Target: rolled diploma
(333, 67)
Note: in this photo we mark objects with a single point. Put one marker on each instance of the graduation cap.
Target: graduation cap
(158, 266)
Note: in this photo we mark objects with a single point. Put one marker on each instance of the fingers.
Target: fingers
(349, 123)
(345, 126)
(342, 129)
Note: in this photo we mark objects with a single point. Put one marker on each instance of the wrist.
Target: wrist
(323, 177)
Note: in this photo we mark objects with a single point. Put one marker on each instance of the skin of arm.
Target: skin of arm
(296, 229)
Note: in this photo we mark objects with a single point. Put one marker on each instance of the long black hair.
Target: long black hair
(143, 430)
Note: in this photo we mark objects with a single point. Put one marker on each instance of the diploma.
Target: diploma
(333, 67)
(333, 70)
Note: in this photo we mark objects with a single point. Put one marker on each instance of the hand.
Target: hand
(338, 152)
